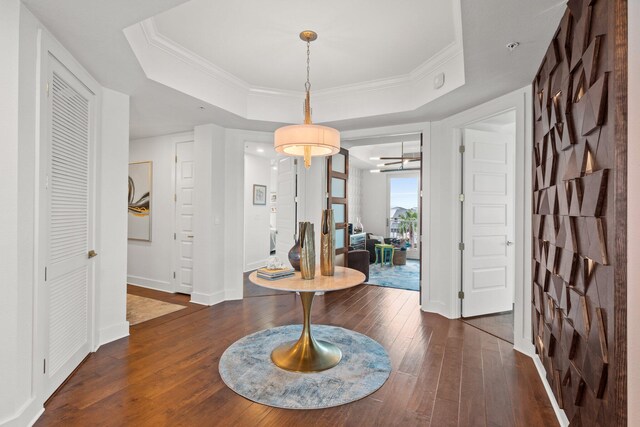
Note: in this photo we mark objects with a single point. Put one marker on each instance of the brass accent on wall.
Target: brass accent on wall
(307, 251)
(327, 243)
(575, 231)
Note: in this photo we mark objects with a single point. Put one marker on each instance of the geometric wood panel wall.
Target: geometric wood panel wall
(574, 229)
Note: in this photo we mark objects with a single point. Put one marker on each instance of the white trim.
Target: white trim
(518, 100)
(437, 307)
(560, 415)
(175, 248)
(144, 282)
(168, 63)
(208, 299)
(26, 415)
(112, 333)
(156, 39)
(48, 47)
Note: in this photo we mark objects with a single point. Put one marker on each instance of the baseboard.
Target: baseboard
(112, 333)
(233, 294)
(207, 299)
(27, 415)
(144, 282)
(255, 265)
(524, 347)
(560, 415)
(437, 307)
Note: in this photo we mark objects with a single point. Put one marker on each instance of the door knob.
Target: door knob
(509, 243)
(91, 254)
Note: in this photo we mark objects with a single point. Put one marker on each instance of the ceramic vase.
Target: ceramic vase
(327, 243)
(294, 254)
(307, 251)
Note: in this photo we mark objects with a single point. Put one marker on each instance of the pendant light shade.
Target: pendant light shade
(307, 140)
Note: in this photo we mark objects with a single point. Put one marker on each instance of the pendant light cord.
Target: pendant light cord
(307, 85)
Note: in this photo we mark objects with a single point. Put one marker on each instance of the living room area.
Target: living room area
(385, 207)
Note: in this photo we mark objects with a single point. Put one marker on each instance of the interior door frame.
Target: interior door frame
(175, 251)
(462, 153)
(520, 101)
(344, 226)
(48, 47)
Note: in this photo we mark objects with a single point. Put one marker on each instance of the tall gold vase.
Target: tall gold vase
(307, 251)
(327, 243)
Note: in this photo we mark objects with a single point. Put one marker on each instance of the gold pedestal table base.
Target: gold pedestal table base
(308, 354)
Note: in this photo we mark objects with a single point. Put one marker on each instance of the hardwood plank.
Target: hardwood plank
(166, 373)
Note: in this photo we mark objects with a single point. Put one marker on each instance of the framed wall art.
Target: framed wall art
(139, 206)
(259, 194)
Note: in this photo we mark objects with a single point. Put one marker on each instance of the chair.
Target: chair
(359, 260)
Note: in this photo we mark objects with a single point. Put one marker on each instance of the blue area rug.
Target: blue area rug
(398, 276)
(247, 369)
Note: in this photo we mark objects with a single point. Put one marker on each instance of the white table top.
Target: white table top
(342, 279)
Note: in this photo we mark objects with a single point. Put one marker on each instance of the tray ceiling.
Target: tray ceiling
(359, 40)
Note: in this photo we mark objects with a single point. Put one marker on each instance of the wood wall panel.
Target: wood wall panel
(576, 209)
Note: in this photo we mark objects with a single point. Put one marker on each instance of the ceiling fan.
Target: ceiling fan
(402, 160)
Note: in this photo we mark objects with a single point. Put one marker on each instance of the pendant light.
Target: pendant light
(307, 139)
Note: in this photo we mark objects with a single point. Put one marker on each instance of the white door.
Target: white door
(286, 206)
(66, 224)
(185, 176)
(488, 225)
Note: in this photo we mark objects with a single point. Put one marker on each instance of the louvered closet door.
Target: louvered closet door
(68, 227)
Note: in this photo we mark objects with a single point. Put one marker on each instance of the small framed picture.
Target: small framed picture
(259, 194)
(273, 197)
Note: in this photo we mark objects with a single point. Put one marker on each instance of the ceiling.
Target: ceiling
(363, 153)
(92, 30)
(359, 40)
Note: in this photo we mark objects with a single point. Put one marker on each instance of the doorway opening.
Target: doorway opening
(385, 200)
(261, 238)
(487, 228)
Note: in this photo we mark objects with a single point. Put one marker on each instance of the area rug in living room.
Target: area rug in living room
(399, 276)
(247, 369)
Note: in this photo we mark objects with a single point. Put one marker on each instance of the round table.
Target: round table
(308, 354)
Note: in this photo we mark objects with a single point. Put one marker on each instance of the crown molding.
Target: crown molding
(156, 39)
(160, 41)
(167, 62)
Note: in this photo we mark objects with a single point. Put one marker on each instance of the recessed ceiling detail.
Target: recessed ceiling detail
(371, 58)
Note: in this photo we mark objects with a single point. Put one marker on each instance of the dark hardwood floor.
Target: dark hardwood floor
(445, 373)
(251, 290)
(499, 324)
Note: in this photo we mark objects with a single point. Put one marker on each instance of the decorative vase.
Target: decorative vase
(327, 243)
(294, 254)
(307, 251)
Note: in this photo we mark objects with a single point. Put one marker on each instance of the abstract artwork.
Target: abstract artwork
(139, 206)
(574, 215)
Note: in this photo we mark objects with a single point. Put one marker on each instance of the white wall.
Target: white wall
(257, 170)
(21, 37)
(150, 264)
(113, 154)
(633, 217)
(209, 212)
(374, 209)
(232, 179)
(14, 380)
(355, 194)
(273, 188)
